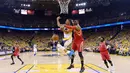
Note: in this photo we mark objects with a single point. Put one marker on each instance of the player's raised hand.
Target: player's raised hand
(58, 18)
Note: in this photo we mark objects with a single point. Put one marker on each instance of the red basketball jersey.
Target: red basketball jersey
(78, 36)
(16, 50)
(102, 47)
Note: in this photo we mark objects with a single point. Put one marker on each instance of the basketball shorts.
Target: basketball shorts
(67, 43)
(64, 44)
(105, 55)
(77, 46)
(15, 54)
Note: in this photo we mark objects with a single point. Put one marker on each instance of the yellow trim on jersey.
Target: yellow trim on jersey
(67, 38)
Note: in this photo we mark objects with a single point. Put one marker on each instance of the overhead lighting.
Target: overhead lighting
(77, 4)
(25, 5)
(81, 4)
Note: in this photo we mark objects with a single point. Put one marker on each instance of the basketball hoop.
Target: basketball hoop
(64, 6)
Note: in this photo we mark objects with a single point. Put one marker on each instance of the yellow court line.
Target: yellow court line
(19, 69)
(55, 68)
(50, 68)
(99, 69)
(60, 68)
(25, 69)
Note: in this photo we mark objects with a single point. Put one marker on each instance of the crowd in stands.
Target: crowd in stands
(120, 43)
(26, 39)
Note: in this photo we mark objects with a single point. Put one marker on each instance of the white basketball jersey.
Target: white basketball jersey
(67, 36)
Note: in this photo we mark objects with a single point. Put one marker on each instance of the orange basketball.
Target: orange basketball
(55, 37)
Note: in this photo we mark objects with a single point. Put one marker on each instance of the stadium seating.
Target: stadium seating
(121, 43)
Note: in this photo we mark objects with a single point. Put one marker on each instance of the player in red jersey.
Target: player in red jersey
(77, 44)
(16, 52)
(104, 52)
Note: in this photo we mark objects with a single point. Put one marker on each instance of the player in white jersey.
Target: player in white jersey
(67, 40)
(35, 49)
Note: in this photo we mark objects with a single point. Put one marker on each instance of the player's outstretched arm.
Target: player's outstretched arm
(58, 22)
(70, 27)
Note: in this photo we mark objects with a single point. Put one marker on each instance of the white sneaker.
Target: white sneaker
(112, 71)
(109, 70)
(112, 68)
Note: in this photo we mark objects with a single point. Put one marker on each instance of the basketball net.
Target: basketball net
(64, 6)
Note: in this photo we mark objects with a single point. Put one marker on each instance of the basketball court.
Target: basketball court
(46, 62)
(52, 62)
